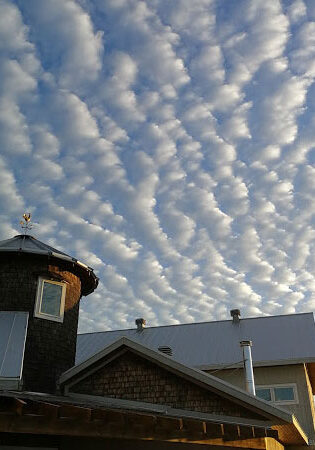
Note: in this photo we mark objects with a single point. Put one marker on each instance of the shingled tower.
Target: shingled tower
(48, 284)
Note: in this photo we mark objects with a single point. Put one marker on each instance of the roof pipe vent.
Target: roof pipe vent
(235, 313)
(140, 324)
(248, 366)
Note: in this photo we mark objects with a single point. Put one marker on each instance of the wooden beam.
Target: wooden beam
(272, 433)
(49, 410)
(258, 443)
(97, 428)
(166, 424)
(260, 432)
(39, 417)
(246, 432)
(74, 413)
(231, 432)
(214, 430)
(273, 444)
(195, 426)
(108, 416)
(143, 424)
(12, 404)
(34, 408)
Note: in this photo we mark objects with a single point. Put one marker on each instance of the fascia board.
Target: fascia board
(70, 373)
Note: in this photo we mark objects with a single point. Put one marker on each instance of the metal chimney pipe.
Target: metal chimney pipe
(248, 366)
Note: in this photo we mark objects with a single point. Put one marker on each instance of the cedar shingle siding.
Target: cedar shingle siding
(131, 377)
(50, 346)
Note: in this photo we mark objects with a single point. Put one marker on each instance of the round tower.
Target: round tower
(48, 284)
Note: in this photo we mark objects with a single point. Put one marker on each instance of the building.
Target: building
(283, 354)
(123, 394)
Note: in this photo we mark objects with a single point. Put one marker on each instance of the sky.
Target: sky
(170, 146)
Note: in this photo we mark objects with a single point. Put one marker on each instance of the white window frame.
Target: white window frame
(38, 302)
(272, 393)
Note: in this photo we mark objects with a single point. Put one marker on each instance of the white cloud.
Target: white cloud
(12, 30)
(168, 144)
(297, 11)
(76, 49)
(11, 200)
(13, 129)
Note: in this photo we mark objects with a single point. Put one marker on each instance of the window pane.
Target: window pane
(284, 393)
(265, 394)
(51, 299)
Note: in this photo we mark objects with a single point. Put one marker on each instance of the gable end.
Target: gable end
(131, 377)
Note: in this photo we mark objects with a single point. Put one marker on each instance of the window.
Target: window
(50, 300)
(278, 393)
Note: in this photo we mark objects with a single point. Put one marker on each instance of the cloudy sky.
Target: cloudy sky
(167, 144)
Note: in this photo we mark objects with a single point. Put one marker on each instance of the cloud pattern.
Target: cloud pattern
(169, 145)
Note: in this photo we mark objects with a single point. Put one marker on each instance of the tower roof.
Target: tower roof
(28, 244)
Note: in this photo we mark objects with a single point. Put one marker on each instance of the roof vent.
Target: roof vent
(140, 324)
(235, 313)
(167, 350)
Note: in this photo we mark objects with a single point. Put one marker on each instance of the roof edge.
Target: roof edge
(88, 278)
(199, 323)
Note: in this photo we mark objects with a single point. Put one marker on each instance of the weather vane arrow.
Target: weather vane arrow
(26, 224)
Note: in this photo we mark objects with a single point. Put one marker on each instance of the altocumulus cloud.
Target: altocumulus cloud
(167, 144)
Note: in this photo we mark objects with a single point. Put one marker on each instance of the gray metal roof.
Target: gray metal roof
(276, 340)
(28, 244)
(13, 329)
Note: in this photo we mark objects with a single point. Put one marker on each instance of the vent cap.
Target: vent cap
(140, 324)
(235, 313)
(167, 350)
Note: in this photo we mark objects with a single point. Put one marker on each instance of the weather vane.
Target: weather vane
(26, 224)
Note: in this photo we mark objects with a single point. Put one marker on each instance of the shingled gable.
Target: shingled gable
(127, 370)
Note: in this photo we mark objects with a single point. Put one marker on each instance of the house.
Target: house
(122, 394)
(283, 355)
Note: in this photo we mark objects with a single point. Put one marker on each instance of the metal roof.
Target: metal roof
(285, 339)
(13, 329)
(28, 244)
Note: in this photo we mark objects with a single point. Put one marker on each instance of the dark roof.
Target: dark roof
(285, 339)
(29, 245)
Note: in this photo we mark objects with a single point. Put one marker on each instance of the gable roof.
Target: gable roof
(210, 345)
(206, 381)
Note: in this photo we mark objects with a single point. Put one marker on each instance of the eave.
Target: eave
(43, 414)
